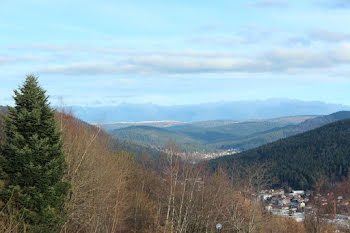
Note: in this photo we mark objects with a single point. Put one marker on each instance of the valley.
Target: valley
(218, 138)
(175, 116)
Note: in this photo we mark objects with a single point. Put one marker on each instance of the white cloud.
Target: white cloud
(329, 36)
(22, 58)
(298, 58)
(342, 53)
(114, 61)
(276, 60)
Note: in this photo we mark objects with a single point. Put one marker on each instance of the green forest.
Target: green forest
(225, 135)
(299, 161)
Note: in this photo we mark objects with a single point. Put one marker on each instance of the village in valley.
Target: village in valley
(298, 203)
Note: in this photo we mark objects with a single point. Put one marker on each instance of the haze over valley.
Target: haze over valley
(235, 111)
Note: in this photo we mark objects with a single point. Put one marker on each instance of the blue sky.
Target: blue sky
(177, 52)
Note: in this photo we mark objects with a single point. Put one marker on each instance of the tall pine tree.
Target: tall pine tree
(33, 161)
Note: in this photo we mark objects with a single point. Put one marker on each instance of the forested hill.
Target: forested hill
(322, 120)
(261, 138)
(299, 161)
(213, 136)
(206, 136)
(117, 144)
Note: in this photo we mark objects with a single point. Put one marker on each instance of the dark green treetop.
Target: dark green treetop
(33, 161)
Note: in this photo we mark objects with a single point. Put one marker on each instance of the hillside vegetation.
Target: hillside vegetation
(211, 136)
(206, 136)
(261, 138)
(112, 193)
(299, 161)
(153, 135)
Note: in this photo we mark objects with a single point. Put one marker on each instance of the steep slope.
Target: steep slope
(299, 161)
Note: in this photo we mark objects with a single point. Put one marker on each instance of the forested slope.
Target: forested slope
(223, 135)
(271, 135)
(203, 136)
(299, 161)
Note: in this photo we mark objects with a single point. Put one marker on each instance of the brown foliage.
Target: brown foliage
(285, 225)
(192, 200)
(99, 179)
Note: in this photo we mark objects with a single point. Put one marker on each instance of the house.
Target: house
(299, 192)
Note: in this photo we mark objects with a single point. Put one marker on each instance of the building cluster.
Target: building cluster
(334, 202)
(197, 156)
(284, 204)
(211, 155)
(296, 203)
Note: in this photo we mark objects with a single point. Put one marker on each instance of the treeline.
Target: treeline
(299, 161)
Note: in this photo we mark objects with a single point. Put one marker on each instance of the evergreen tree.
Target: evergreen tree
(33, 161)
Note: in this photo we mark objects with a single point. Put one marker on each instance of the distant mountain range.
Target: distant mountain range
(238, 110)
(299, 161)
(211, 136)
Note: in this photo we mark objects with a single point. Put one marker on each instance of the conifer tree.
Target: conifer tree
(33, 161)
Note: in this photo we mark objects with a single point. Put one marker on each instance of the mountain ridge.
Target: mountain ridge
(298, 161)
(235, 110)
(283, 132)
(227, 135)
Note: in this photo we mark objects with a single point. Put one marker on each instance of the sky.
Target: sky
(109, 52)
